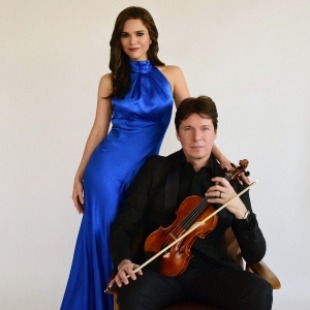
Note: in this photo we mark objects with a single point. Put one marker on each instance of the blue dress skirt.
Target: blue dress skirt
(139, 122)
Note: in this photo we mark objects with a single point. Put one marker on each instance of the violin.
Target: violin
(162, 236)
(193, 209)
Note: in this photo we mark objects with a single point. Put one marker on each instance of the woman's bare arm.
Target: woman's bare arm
(97, 134)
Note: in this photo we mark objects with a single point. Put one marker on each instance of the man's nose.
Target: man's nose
(196, 135)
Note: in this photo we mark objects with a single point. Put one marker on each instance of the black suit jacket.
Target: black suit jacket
(150, 203)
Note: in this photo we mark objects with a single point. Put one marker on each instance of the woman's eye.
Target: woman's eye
(140, 34)
(124, 35)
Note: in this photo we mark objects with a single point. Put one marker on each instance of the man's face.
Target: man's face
(197, 136)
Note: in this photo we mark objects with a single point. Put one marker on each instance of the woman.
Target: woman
(137, 97)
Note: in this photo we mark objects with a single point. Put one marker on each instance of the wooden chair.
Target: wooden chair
(234, 251)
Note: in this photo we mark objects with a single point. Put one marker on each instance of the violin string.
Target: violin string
(189, 220)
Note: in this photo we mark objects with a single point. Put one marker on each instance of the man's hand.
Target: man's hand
(222, 192)
(126, 270)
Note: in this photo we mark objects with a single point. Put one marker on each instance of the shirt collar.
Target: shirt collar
(211, 163)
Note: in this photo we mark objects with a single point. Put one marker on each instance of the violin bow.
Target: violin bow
(195, 226)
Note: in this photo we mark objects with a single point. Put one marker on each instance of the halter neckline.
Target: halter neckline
(141, 66)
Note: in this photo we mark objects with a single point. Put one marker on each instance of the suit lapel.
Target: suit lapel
(172, 182)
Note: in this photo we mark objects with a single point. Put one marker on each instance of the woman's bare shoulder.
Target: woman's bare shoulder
(172, 69)
(175, 76)
(171, 72)
(105, 85)
(106, 78)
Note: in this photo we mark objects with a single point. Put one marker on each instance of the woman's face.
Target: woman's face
(135, 39)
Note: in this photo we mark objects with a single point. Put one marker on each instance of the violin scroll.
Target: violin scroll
(238, 171)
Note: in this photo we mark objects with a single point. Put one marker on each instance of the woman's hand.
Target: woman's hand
(125, 270)
(78, 195)
(221, 193)
(226, 165)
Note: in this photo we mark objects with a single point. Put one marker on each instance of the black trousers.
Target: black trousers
(223, 287)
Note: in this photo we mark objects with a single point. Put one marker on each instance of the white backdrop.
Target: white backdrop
(251, 57)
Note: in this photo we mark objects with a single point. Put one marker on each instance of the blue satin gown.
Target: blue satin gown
(139, 122)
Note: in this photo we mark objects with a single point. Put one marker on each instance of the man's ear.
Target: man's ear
(177, 135)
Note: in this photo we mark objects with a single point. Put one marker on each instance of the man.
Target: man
(211, 276)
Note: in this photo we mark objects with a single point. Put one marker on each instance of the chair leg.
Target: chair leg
(115, 307)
